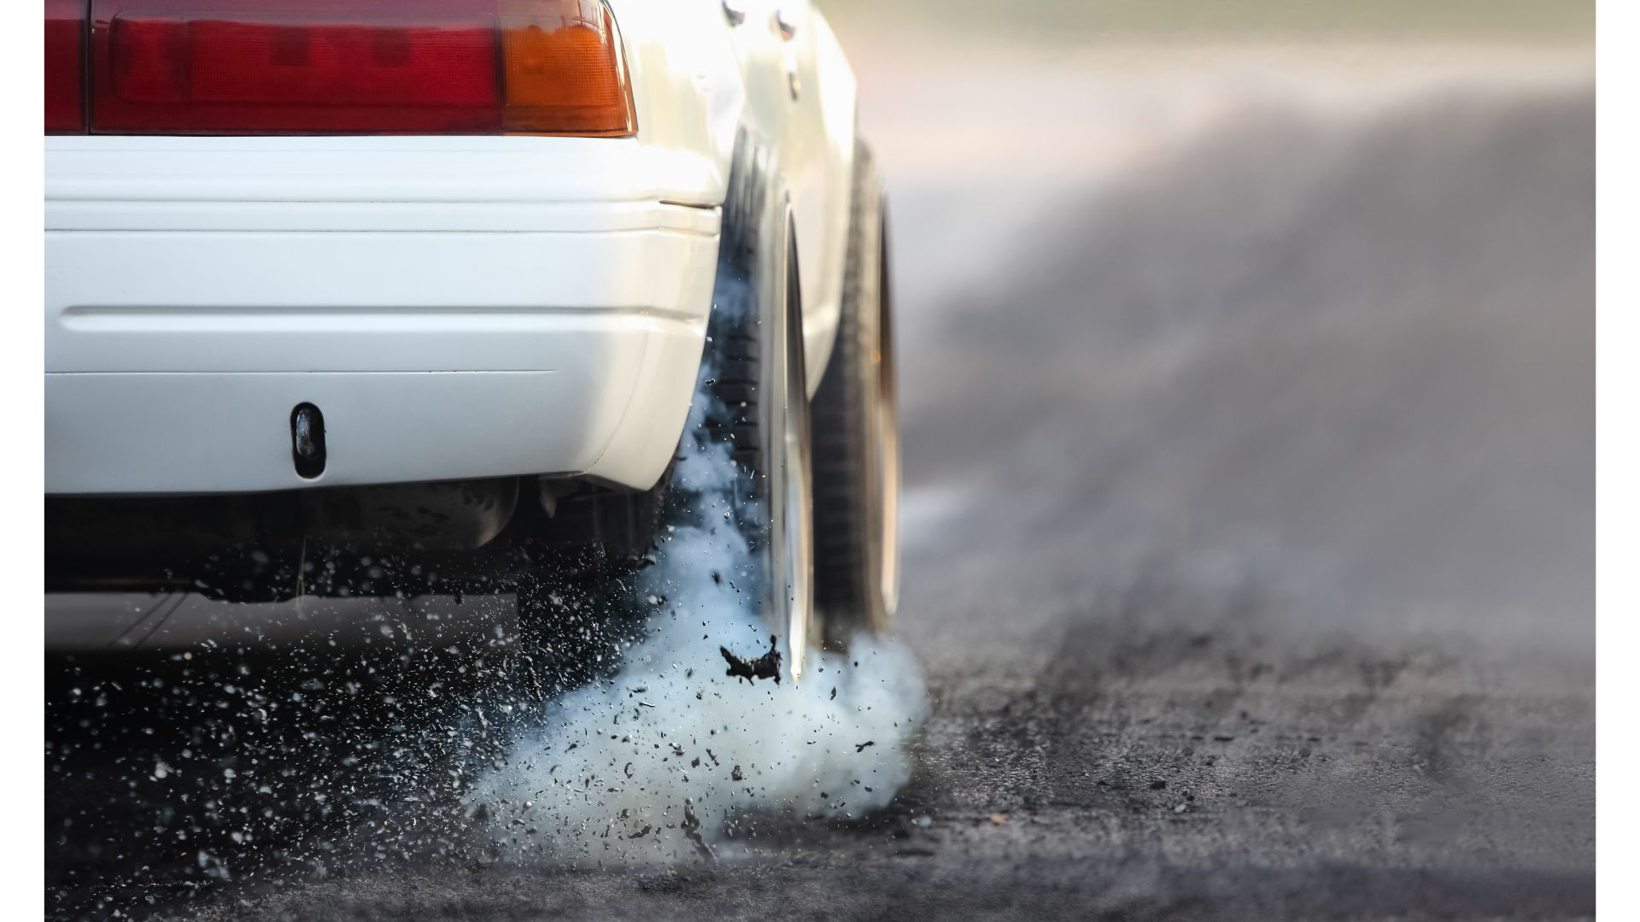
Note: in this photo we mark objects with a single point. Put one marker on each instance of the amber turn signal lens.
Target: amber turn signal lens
(564, 74)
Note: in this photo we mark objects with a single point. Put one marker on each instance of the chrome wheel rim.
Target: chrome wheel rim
(791, 530)
(886, 420)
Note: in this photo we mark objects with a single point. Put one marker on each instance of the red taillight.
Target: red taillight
(286, 72)
(65, 65)
(357, 67)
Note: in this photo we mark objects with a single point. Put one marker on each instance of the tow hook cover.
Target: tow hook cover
(307, 440)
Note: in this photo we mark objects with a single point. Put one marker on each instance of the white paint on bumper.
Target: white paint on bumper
(444, 335)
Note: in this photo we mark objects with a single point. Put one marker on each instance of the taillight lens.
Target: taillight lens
(65, 66)
(357, 67)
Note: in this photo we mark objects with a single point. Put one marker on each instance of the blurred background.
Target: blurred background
(1248, 398)
(1291, 290)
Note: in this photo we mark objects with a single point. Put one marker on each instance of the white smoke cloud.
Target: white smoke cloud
(664, 759)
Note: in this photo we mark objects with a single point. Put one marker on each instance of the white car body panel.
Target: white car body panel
(458, 307)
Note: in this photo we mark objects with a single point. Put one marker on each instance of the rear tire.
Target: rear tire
(856, 435)
(756, 406)
(754, 377)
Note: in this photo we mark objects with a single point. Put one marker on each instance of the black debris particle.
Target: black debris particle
(736, 775)
(766, 666)
(641, 833)
(691, 830)
(861, 747)
(833, 693)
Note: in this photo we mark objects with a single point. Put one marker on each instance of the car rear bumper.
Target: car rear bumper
(460, 312)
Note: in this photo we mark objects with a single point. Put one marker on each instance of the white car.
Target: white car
(436, 279)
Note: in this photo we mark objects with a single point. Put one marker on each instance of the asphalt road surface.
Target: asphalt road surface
(1249, 554)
